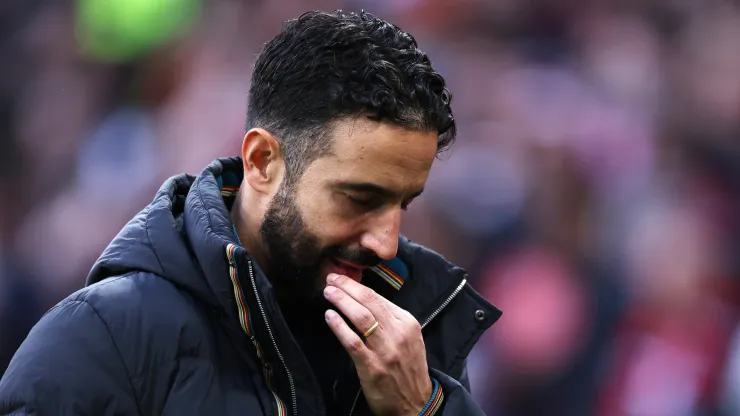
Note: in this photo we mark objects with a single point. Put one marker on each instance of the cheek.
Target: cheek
(322, 216)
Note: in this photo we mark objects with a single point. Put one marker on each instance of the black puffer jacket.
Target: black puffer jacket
(177, 320)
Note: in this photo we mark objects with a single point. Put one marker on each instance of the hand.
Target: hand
(391, 363)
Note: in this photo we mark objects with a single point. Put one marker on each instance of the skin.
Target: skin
(352, 198)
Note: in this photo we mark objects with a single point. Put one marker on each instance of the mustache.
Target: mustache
(360, 257)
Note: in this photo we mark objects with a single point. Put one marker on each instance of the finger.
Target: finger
(379, 306)
(359, 315)
(347, 337)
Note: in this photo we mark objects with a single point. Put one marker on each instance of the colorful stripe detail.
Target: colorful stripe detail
(435, 402)
(388, 275)
(229, 191)
(281, 409)
(245, 319)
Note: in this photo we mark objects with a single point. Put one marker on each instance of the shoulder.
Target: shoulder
(145, 315)
(134, 294)
(101, 347)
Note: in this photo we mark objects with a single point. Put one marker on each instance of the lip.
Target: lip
(347, 264)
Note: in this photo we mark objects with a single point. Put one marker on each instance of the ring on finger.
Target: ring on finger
(371, 330)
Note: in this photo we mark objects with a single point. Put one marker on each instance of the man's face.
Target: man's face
(343, 214)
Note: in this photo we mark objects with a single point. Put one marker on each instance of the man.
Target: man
(276, 283)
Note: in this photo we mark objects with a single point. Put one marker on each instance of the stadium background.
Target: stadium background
(592, 194)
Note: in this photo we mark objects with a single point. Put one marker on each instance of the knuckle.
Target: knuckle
(355, 345)
(365, 320)
(393, 357)
(411, 333)
(409, 325)
(408, 317)
(413, 325)
(369, 296)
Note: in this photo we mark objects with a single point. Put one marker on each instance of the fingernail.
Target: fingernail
(328, 315)
(331, 278)
(329, 290)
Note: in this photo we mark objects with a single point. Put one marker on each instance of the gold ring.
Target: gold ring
(371, 330)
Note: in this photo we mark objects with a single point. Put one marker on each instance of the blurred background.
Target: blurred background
(592, 194)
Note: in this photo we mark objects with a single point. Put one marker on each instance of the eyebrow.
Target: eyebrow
(367, 187)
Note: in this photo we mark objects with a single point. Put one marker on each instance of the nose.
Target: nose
(382, 236)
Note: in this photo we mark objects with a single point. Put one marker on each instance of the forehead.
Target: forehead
(382, 153)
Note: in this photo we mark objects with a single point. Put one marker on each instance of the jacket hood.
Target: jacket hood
(181, 236)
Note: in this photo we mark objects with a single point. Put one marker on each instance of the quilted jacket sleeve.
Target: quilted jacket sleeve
(457, 398)
(68, 365)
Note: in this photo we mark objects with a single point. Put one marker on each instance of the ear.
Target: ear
(264, 166)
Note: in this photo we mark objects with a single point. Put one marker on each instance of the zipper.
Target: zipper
(244, 321)
(434, 314)
(274, 343)
(354, 403)
(445, 303)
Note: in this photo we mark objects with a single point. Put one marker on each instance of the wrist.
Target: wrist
(434, 402)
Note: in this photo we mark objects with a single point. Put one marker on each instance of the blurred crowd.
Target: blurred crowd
(592, 194)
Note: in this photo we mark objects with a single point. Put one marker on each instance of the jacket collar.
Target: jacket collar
(208, 226)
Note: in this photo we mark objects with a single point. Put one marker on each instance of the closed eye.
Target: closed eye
(368, 196)
(373, 203)
(365, 203)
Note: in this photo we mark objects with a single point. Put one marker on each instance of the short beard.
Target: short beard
(295, 255)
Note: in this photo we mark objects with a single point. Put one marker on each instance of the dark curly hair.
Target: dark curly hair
(325, 66)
